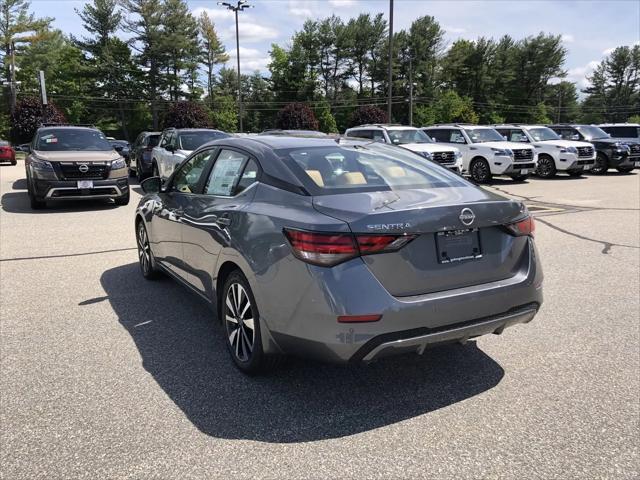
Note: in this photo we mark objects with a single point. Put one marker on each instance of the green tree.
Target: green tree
(182, 47)
(145, 24)
(326, 121)
(224, 113)
(213, 52)
(561, 101)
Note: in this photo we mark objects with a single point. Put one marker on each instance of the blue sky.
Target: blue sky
(589, 28)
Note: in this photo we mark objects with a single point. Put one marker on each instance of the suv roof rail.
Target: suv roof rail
(455, 124)
(381, 125)
(47, 124)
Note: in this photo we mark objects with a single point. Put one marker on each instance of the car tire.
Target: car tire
(242, 326)
(35, 202)
(14, 162)
(140, 176)
(123, 200)
(480, 171)
(145, 255)
(154, 170)
(601, 166)
(546, 167)
(624, 169)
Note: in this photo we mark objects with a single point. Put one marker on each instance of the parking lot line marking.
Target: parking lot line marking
(43, 257)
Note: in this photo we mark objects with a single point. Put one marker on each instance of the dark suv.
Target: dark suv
(140, 162)
(610, 152)
(74, 163)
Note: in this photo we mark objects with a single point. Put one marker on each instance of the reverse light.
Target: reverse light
(329, 249)
(522, 228)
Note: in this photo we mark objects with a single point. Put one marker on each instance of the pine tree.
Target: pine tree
(213, 52)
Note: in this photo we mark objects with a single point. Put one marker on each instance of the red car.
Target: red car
(7, 153)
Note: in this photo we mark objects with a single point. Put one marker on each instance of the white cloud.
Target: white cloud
(454, 29)
(608, 51)
(302, 9)
(214, 13)
(579, 74)
(250, 32)
(342, 3)
(567, 38)
(250, 60)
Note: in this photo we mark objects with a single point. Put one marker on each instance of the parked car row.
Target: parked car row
(514, 150)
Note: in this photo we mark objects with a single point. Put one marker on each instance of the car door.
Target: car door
(213, 218)
(168, 219)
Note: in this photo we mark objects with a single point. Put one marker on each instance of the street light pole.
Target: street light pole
(390, 87)
(240, 6)
(410, 91)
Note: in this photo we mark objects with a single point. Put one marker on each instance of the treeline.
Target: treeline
(140, 57)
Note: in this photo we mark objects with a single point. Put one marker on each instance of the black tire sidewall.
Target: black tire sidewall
(256, 362)
(552, 169)
(487, 177)
(601, 166)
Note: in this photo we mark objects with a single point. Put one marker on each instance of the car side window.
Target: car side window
(186, 180)
(225, 173)
(361, 134)
(438, 135)
(456, 137)
(249, 176)
(377, 136)
(517, 136)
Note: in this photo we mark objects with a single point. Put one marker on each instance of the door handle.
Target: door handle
(223, 221)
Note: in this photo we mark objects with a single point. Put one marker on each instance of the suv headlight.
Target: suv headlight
(119, 163)
(427, 155)
(503, 152)
(458, 155)
(622, 147)
(568, 150)
(41, 165)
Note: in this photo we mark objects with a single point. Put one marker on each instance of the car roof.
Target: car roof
(194, 129)
(618, 125)
(383, 126)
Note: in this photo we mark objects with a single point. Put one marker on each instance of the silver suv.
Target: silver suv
(412, 139)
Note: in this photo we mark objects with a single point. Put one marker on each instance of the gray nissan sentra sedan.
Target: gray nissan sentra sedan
(346, 251)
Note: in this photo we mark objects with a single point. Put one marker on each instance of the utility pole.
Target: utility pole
(12, 84)
(410, 91)
(559, 100)
(240, 6)
(390, 88)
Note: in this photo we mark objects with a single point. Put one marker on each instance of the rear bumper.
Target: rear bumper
(301, 319)
(387, 345)
(59, 190)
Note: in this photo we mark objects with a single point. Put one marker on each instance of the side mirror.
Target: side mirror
(395, 141)
(170, 148)
(575, 137)
(25, 147)
(118, 148)
(151, 185)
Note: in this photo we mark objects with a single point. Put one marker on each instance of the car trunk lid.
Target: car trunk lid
(475, 215)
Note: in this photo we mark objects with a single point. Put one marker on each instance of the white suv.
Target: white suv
(176, 144)
(412, 139)
(554, 153)
(485, 152)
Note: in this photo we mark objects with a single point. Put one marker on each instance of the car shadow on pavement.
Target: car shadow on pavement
(182, 347)
(18, 202)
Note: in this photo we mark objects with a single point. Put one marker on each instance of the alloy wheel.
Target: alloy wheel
(545, 167)
(480, 171)
(239, 321)
(144, 250)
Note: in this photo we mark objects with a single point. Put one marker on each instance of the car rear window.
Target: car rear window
(371, 167)
(194, 140)
(72, 139)
(622, 132)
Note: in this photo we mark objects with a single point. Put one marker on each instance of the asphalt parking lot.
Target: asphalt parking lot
(104, 375)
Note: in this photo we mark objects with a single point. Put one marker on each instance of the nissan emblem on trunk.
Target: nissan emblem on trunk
(83, 167)
(467, 216)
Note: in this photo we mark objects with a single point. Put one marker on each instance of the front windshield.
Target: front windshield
(194, 140)
(70, 139)
(481, 135)
(541, 134)
(404, 136)
(367, 168)
(592, 133)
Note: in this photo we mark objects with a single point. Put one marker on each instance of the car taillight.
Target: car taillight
(328, 249)
(521, 228)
